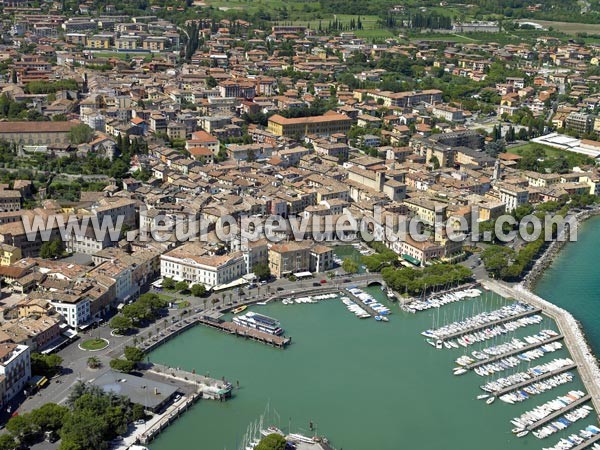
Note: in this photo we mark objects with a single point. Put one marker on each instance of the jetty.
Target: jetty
(512, 352)
(587, 443)
(172, 413)
(245, 332)
(360, 303)
(532, 380)
(559, 413)
(492, 324)
(587, 365)
(214, 320)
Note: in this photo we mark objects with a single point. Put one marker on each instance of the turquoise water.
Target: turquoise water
(364, 384)
(573, 280)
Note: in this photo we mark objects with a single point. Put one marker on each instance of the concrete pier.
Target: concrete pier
(489, 324)
(532, 380)
(558, 413)
(493, 359)
(573, 335)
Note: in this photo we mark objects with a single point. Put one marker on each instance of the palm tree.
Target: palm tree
(94, 363)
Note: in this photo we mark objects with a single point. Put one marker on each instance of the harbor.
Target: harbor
(331, 331)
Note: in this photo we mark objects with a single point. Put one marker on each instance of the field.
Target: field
(568, 27)
(551, 153)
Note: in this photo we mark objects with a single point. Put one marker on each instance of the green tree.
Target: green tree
(7, 442)
(45, 365)
(181, 286)
(350, 266)
(134, 354)
(85, 430)
(52, 249)
(262, 271)
(121, 324)
(122, 365)
(94, 362)
(137, 312)
(272, 441)
(198, 290)
(81, 134)
(22, 428)
(168, 283)
(49, 417)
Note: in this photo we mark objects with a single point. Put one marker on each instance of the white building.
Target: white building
(76, 311)
(192, 263)
(15, 368)
(512, 196)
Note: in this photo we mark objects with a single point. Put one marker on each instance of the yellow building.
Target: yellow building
(9, 254)
(325, 125)
(289, 258)
(100, 41)
(127, 43)
(154, 44)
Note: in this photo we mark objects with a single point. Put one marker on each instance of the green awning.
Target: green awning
(411, 260)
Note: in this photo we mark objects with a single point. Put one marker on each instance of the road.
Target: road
(75, 367)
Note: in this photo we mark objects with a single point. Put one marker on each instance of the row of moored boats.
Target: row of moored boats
(528, 375)
(479, 321)
(436, 302)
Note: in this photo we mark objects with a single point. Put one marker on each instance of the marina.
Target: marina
(564, 409)
(513, 351)
(515, 387)
(330, 331)
(488, 321)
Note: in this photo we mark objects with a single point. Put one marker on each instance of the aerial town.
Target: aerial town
(143, 146)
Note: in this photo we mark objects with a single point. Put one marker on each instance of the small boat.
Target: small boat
(439, 344)
(385, 319)
(239, 309)
(261, 303)
(517, 430)
(460, 371)
(378, 318)
(522, 433)
(391, 294)
(490, 400)
(482, 396)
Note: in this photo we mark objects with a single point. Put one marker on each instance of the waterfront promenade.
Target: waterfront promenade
(587, 363)
(544, 261)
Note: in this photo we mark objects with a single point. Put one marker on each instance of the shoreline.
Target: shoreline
(547, 257)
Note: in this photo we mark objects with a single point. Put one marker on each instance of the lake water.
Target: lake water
(363, 384)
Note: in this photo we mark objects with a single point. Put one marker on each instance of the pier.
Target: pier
(212, 320)
(489, 324)
(170, 415)
(587, 364)
(587, 443)
(511, 353)
(541, 377)
(359, 302)
(559, 413)
(248, 333)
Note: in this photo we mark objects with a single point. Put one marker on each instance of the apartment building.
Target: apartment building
(193, 264)
(36, 133)
(325, 125)
(15, 369)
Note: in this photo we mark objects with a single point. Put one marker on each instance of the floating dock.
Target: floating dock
(559, 413)
(489, 324)
(512, 352)
(541, 377)
(245, 332)
(587, 443)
